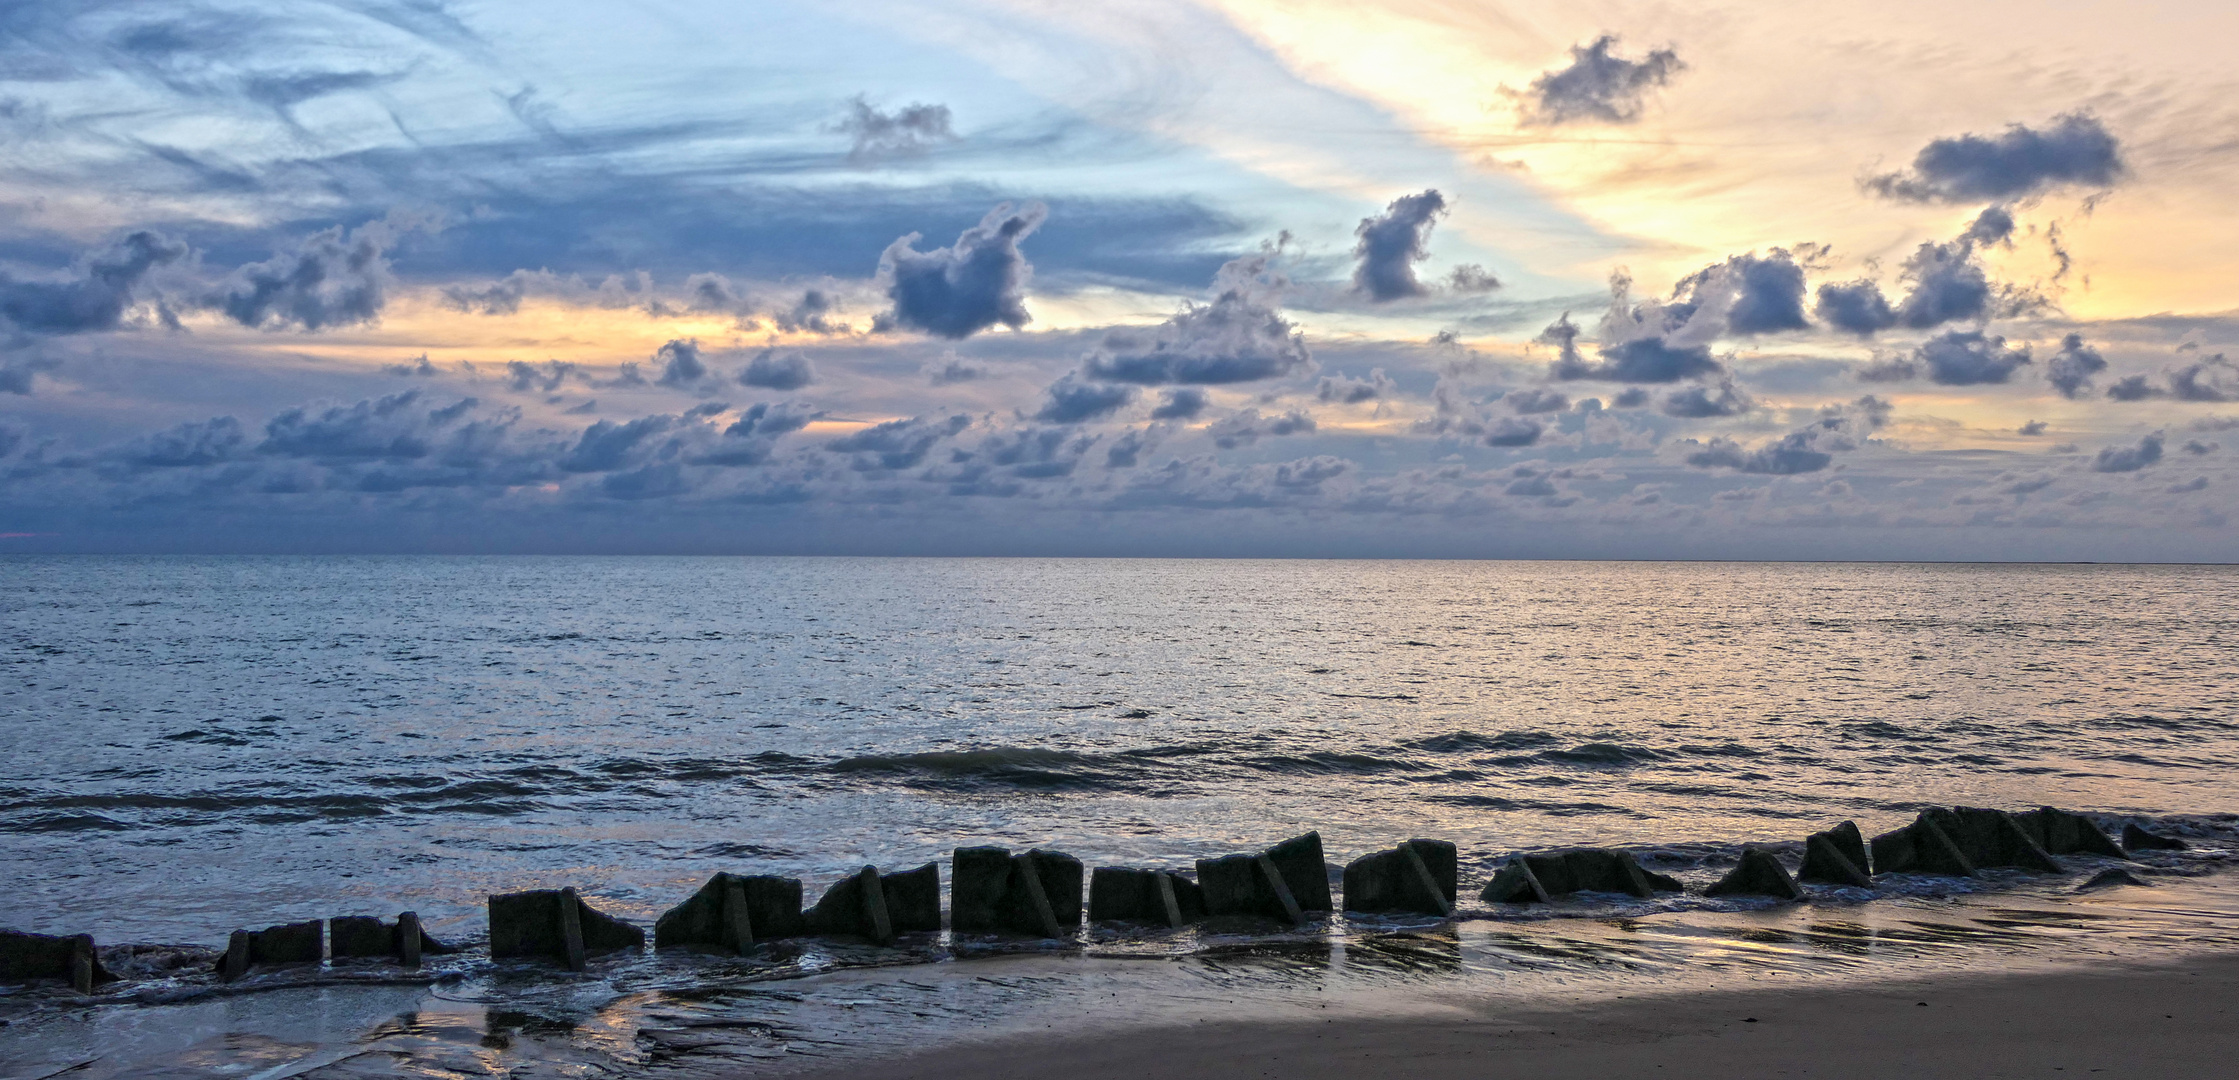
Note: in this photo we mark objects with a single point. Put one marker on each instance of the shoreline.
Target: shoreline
(2164, 1019)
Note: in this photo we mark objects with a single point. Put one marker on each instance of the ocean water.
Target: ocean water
(189, 745)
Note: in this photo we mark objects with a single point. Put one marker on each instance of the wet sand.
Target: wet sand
(2165, 1021)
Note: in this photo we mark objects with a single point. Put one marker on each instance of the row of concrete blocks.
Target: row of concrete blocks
(991, 890)
(24, 957)
(1956, 842)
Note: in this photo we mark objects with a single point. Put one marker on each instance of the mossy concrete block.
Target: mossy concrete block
(531, 924)
(364, 937)
(1758, 874)
(1920, 848)
(2137, 839)
(1827, 863)
(1417, 876)
(1124, 894)
(1238, 885)
(1515, 883)
(70, 958)
(2062, 833)
(772, 910)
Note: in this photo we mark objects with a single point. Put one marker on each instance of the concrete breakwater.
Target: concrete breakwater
(1048, 895)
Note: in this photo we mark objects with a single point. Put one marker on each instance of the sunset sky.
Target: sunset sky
(1814, 280)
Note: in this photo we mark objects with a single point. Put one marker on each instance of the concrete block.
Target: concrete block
(768, 906)
(1417, 876)
(70, 958)
(1515, 884)
(1122, 894)
(880, 906)
(2137, 839)
(290, 943)
(536, 924)
(1826, 861)
(1992, 838)
(978, 878)
(1758, 874)
(2062, 833)
(1920, 848)
(358, 937)
(1607, 870)
(1044, 894)
(2109, 878)
(1248, 884)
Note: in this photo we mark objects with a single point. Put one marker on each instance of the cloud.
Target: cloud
(2034, 427)
(1599, 86)
(1246, 427)
(1699, 402)
(951, 369)
(1946, 283)
(681, 363)
(1238, 337)
(332, 278)
(1181, 403)
(909, 131)
(2070, 370)
(2075, 150)
(775, 370)
(1513, 431)
(1127, 451)
(2213, 379)
(2134, 388)
(955, 292)
(2118, 459)
(1535, 399)
(1391, 244)
(1471, 278)
(1346, 390)
(522, 377)
(1072, 401)
(1969, 358)
(1838, 428)
(1642, 360)
(196, 443)
(96, 297)
(398, 427)
(416, 368)
(1855, 307)
(752, 438)
(608, 446)
(897, 444)
(18, 372)
(1757, 295)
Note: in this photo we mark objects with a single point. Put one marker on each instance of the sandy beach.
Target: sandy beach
(2165, 1021)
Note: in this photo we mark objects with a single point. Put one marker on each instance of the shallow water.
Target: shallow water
(189, 745)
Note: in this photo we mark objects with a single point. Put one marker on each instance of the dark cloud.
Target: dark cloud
(1238, 337)
(1598, 85)
(772, 369)
(1947, 285)
(2073, 151)
(1969, 358)
(2117, 459)
(1127, 451)
(909, 131)
(1855, 307)
(416, 368)
(1759, 295)
(812, 314)
(2192, 446)
(897, 444)
(2213, 380)
(1073, 401)
(752, 438)
(197, 443)
(330, 279)
(523, 377)
(1346, 390)
(2070, 370)
(1392, 243)
(2034, 427)
(2134, 388)
(1642, 360)
(96, 297)
(18, 372)
(682, 365)
(951, 369)
(1246, 427)
(1535, 399)
(955, 292)
(1180, 403)
(1995, 225)
(396, 427)
(1513, 431)
(501, 297)
(608, 446)
(1700, 402)
(1631, 397)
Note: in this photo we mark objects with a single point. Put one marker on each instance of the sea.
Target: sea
(194, 745)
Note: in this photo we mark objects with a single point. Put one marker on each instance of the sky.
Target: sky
(1413, 278)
